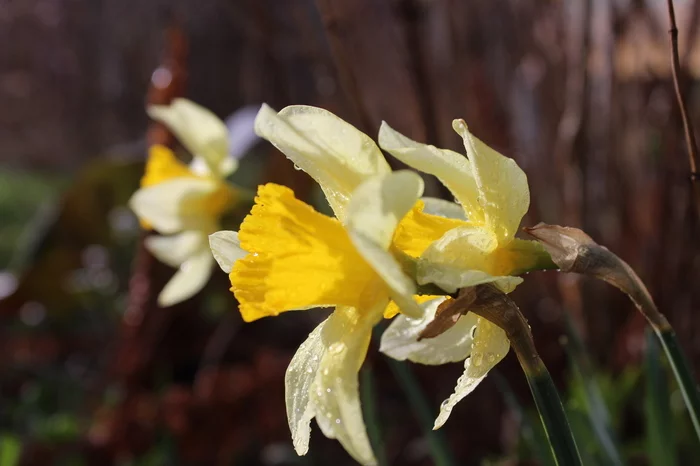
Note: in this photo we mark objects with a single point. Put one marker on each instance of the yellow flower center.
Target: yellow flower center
(163, 166)
(298, 258)
(418, 230)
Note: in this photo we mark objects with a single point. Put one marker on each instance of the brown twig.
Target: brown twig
(687, 123)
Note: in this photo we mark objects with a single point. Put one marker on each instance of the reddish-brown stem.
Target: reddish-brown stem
(687, 123)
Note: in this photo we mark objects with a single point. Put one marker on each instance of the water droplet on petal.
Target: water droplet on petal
(337, 348)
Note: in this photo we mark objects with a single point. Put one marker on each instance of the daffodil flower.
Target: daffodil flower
(480, 248)
(183, 201)
(287, 256)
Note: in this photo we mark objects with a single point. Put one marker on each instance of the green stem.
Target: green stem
(421, 408)
(660, 442)
(371, 414)
(553, 417)
(684, 375)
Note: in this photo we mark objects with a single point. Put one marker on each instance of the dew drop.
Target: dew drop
(328, 390)
(337, 421)
(444, 404)
(473, 332)
(337, 348)
(478, 359)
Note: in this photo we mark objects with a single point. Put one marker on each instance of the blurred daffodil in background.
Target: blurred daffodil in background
(480, 247)
(184, 202)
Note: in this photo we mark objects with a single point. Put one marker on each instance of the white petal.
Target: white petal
(199, 130)
(174, 205)
(378, 205)
(443, 208)
(335, 393)
(490, 347)
(226, 249)
(503, 192)
(176, 249)
(189, 280)
(298, 381)
(400, 339)
(330, 150)
(451, 168)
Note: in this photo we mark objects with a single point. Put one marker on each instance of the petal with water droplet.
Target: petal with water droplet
(298, 381)
(490, 347)
(333, 152)
(400, 339)
(226, 249)
(504, 195)
(451, 168)
(335, 393)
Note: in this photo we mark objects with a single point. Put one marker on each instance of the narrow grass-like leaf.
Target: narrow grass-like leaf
(659, 426)
(596, 409)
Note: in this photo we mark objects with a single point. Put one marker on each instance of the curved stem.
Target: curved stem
(549, 406)
(492, 304)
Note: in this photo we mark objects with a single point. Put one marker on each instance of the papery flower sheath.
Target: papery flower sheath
(184, 201)
(479, 248)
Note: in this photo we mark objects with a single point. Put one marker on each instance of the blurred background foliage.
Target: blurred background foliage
(92, 372)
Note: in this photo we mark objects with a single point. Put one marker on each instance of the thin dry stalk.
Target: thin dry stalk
(687, 123)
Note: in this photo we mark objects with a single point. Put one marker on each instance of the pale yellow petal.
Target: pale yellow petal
(333, 152)
(193, 274)
(298, 382)
(199, 130)
(504, 195)
(175, 249)
(465, 256)
(490, 347)
(226, 249)
(380, 203)
(335, 394)
(400, 339)
(375, 210)
(176, 205)
(451, 168)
